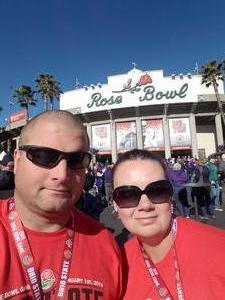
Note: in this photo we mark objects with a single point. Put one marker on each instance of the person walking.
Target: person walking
(179, 178)
(108, 183)
(201, 190)
(47, 245)
(215, 188)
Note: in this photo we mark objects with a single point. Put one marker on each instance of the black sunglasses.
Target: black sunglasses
(128, 196)
(49, 158)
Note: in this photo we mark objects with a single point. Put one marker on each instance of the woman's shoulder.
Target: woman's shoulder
(203, 233)
(131, 246)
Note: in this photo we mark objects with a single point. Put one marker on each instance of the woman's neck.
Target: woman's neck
(158, 248)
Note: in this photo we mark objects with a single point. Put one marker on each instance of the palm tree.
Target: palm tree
(25, 97)
(49, 89)
(212, 73)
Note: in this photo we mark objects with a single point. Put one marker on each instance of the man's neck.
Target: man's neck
(157, 249)
(41, 222)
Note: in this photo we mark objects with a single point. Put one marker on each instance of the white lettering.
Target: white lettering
(20, 247)
(14, 292)
(156, 282)
(13, 226)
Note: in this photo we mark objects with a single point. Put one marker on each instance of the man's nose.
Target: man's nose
(61, 170)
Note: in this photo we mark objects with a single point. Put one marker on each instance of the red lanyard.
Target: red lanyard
(27, 259)
(157, 280)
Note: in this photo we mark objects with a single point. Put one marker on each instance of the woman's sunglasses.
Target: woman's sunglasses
(49, 158)
(128, 196)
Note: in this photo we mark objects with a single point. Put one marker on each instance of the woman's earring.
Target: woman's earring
(172, 209)
(115, 211)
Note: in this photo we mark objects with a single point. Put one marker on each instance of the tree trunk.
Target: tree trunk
(220, 105)
(51, 103)
(27, 114)
(45, 104)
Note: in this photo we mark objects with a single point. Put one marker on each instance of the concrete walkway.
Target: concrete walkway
(121, 235)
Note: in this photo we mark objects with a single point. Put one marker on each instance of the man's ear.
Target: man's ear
(16, 157)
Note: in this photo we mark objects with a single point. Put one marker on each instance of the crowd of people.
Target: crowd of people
(197, 185)
(52, 249)
(195, 182)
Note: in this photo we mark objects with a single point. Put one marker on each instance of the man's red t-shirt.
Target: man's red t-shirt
(201, 256)
(95, 272)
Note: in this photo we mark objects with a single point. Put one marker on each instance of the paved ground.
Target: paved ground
(121, 235)
(219, 221)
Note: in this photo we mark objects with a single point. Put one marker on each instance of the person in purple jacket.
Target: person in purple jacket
(178, 178)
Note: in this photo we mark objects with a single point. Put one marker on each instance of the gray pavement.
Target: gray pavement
(219, 221)
(121, 235)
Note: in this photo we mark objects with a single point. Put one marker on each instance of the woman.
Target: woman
(167, 258)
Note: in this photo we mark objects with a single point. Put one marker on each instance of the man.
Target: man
(214, 180)
(6, 177)
(221, 167)
(50, 250)
(108, 183)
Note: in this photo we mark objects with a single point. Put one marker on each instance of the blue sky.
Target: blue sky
(91, 39)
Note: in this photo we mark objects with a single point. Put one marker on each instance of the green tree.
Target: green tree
(212, 72)
(49, 89)
(24, 95)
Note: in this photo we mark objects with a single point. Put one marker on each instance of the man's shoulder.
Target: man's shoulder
(4, 225)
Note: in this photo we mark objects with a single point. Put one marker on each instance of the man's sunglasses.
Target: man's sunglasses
(49, 158)
(128, 196)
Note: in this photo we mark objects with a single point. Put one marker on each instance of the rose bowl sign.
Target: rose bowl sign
(136, 88)
(18, 116)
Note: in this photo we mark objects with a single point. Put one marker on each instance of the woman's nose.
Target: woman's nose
(145, 202)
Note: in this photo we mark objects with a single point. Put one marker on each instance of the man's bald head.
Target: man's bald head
(57, 116)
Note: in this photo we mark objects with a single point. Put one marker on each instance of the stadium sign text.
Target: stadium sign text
(150, 93)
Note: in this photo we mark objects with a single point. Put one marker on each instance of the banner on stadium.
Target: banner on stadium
(152, 132)
(180, 135)
(18, 116)
(126, 136)
(101, 138)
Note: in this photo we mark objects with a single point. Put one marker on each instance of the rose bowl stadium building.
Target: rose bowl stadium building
(173, 115)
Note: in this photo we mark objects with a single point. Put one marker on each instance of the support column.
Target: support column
(219, 130)
(166, 137)
(193, 130)
(113, 141)
(88, 126)
(139, 133)
(17, 142)
(89, 132)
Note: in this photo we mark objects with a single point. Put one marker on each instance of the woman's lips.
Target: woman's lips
(146, 219)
